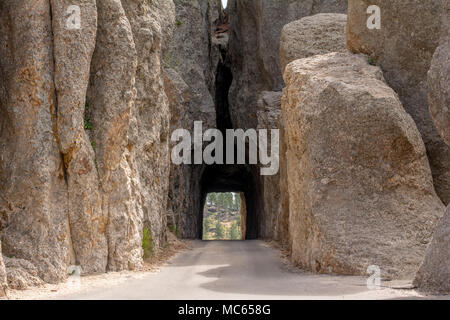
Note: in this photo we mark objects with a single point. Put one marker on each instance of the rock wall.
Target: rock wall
(254, 48)
(360, 186)
(438, 79)
(107, 113)
(434, 273)
(34, 197)
(191, 66)
(84, 136)
(297, 42)
(152, 23)
(180, 198)
(254, 51)
(403, 47)
(269, 112)
(86, 117)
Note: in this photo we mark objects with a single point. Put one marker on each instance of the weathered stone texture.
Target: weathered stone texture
(254, 53)
(33, 192)
(439, 79)
(109, 106)
(181, 198)
(319, 34)
(254, 48)
(191, 65)
(269, 112)
(73, 51)
(434, 273)
(360, 186)
(194, 56)
(77, 107)
(152, 25)
(21, 274)
(403, 48)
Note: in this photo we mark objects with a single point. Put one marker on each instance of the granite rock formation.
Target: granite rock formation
(77, 105)
(310, 36)
(360, 186)
(403, 47)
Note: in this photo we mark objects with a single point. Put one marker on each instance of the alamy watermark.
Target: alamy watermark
(73, 17)
(221, 150)
(74, 279)
(374, 279)
(374, 20)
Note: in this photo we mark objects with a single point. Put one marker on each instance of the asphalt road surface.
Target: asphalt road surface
(235, 270)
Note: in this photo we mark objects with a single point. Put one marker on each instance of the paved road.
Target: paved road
(235, 270)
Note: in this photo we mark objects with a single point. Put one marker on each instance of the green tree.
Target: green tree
(220, 232)
(220, 201)
(207, 225)
(212, 199)
(228, 198)
(235, 233)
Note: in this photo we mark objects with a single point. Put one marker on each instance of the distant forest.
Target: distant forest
(222, 217)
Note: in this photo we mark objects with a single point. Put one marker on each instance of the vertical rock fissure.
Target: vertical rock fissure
(54, 114)
(224, 78)
(229, 177)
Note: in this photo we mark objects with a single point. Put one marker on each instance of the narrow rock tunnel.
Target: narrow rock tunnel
(235, 177)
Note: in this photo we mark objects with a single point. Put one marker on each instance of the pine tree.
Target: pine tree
(235, 233)
(220, 232)
(220, 202)
(206, 225)
(212, 199)
(228, 202)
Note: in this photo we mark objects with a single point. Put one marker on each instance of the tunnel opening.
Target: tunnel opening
(239, 179)
(223, 213)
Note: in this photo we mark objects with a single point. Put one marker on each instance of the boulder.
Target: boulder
(255, 45)
(360, 186)
(403, 47)
(21, 274)
(254, 51)
(434, 273)
(319, 34)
